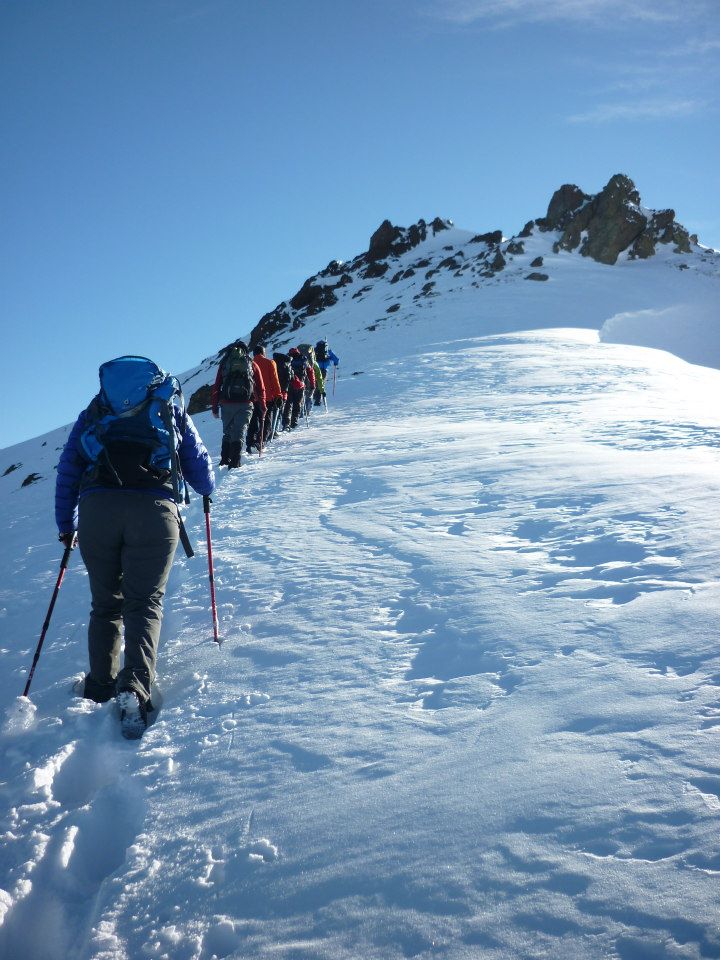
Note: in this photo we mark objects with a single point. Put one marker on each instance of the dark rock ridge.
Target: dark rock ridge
(393, 241)
(318, 292)
(600, 226)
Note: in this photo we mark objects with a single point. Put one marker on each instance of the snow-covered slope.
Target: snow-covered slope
(468, 702)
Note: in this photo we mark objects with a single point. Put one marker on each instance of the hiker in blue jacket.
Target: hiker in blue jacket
(119, 481)
(325, 357)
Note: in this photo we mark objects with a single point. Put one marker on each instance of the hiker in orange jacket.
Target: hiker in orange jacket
(259, 410)
(273, 391)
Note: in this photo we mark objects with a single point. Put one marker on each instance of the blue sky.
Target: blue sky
(170, 170)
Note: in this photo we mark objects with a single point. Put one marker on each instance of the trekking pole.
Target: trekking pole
(63, 567)
(334, 378)
(206, 507)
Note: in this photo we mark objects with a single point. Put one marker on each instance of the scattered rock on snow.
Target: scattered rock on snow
(492, 238)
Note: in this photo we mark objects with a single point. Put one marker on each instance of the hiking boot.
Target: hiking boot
(98, 692)
(133, 714)
(234, 457)
(224, 453)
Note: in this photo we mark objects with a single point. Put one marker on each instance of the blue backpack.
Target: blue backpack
(131, 435)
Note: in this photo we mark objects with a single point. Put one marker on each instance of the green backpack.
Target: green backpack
(237, 376)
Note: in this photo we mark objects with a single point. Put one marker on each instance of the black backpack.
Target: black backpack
(284, 369)
(321, 350)
(237, 375)
(299, 368)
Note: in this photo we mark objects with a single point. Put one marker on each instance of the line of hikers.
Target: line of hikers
(120, 481)
(259, 397)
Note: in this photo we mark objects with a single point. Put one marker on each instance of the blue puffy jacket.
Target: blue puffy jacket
(325, 363)
(194, 460)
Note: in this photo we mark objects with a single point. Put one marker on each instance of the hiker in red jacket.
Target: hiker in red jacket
(300, 378)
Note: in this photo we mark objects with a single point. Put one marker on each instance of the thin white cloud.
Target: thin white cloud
(511, 12)
(657, 109)
(697, 48)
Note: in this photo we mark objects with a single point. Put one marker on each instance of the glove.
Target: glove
(216, 414)
(68, 540)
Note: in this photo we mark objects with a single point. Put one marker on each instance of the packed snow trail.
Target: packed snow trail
(468, 701)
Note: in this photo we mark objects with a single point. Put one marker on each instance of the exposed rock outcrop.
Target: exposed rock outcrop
(661, 228)
(199, 402)
(492, 238)
(605, 225)
(389, 240)
(563, 206)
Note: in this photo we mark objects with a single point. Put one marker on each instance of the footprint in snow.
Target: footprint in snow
(214, 868)
(458, 529)
(52, 898)
(220, 940)
(304, 761)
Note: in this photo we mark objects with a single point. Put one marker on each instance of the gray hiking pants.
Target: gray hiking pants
(128, 542)
(235, 421)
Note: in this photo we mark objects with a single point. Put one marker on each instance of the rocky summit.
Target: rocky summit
(411, 265)
(613, 221)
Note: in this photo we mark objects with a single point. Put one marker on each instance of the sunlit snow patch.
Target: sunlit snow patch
(20, 716)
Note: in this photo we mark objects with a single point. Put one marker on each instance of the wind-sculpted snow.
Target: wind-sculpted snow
(468, 699)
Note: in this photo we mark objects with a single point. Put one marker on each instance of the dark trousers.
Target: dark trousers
(292, 407)
(235, 420)
(254, 433)
(128, 542)
(272, 417)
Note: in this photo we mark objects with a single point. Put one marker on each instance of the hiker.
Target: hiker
(232, 398)
(120, 479)
(284, 369)
(319, 392)
(273, 391)
(257, 421)
(325, 357)
(308, 354)
(296, 388)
